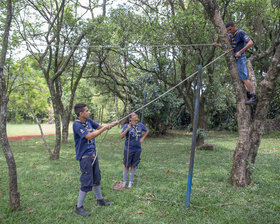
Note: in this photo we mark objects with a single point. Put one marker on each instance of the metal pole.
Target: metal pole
(142, 117)
(195, 121)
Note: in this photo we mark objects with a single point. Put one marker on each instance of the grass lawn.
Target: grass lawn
(21, 129)
(49, 189)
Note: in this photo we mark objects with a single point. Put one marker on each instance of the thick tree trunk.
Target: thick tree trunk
(13, 187)
(265, 94)
(249, 135)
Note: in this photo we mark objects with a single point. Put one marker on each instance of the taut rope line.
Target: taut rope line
(175, 86)
(120, 47)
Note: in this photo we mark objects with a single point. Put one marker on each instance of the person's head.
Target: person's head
(231, 27)
(133, 117)
(81, 110)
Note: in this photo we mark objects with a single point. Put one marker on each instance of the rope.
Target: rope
(127, 152)
(96, 152)
(147, 104)
(130, 47)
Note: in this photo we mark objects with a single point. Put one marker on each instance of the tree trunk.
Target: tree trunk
(265, 94)
(65, 126)
(249, 134)
(13, 187)
(55, 101)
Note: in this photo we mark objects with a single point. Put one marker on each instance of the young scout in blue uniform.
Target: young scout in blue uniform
(240, 42)
(132, 130)
(84, 136)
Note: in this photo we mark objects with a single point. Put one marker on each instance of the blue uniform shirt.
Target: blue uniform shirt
(82, 145)
(134, 134)
(239, 40)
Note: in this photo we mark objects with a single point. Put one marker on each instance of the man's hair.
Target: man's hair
(230, 23)
(79, 107)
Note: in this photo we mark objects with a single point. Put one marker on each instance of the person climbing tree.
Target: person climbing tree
(240, 42)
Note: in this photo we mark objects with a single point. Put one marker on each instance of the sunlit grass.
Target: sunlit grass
(21, 129)
(49, 189)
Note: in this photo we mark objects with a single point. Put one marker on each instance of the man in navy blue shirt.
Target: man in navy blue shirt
(84, 136)
(240, 42)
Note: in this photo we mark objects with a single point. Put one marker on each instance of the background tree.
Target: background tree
(13, 186)
(62, 37)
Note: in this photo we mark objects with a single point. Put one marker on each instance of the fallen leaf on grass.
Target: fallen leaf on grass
(140, 212)
(205, 211)
(30, 211)
(58, 174)
(116, 181)
(110, 220)
(167, 171)
(36, 194)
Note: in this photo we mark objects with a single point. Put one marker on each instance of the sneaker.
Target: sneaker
(251, 100)
(130, 184)
(103, 202)
(248, 94)
(81, 211)
(123, 184)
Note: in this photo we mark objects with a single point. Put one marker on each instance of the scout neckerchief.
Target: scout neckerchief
(136, 131)
(135, 127)
(86, 127)
(89, 141)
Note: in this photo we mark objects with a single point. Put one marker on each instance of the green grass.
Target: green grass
(49, 189)
(21, 129)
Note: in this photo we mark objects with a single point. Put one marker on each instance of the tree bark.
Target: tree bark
(249, 133)
(13, 187)
(265, 94)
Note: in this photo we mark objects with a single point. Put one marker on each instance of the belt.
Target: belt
(87, 156)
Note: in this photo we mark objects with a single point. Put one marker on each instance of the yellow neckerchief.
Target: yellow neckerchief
(235, 32)
(136, 129)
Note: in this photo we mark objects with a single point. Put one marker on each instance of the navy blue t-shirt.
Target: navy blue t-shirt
(134, 136)
(82, 145)
(239, 40)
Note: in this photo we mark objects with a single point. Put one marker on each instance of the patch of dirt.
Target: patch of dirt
(24, 137)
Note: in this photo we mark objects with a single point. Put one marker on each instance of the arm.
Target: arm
(144, 136)
(215, 44)
(125, 131)
(249, 44)
(100, 129)
(94, 134)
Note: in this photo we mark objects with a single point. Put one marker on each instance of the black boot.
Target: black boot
(248, 94)
(103, 202)
(252, 99)
(81, 211)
